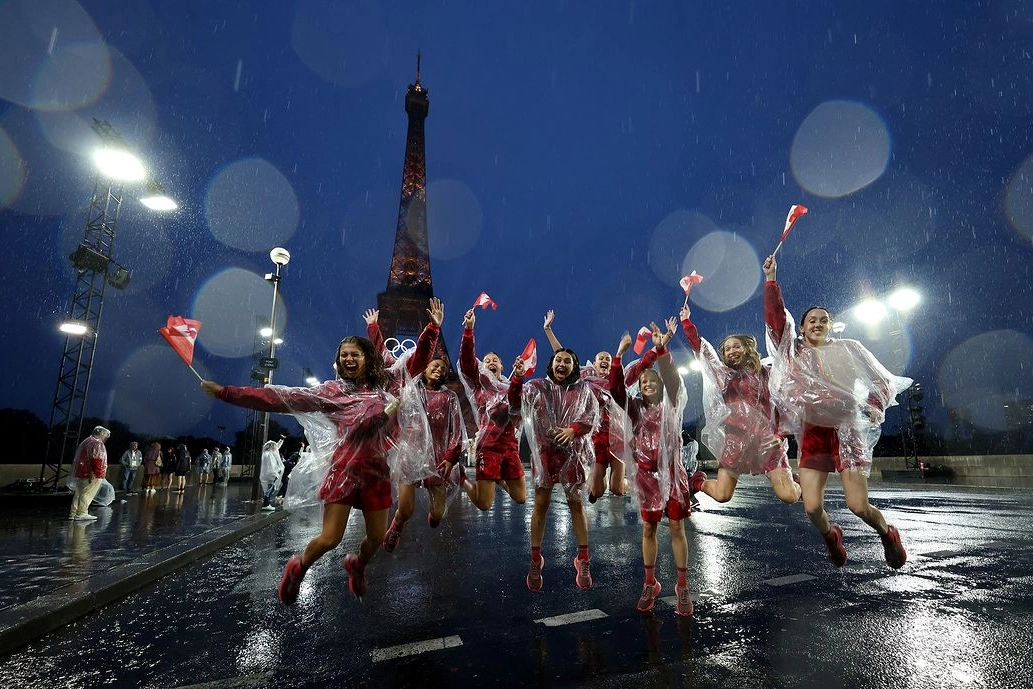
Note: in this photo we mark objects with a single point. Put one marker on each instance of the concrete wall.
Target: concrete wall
(996, 471)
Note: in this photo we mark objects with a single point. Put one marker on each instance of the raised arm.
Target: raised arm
(689, 328)
(428, 340)
(516, 386)
(774, 306)
(549, 316)
(668, 371)
(467, 354)
(618, 386)
(372, 318)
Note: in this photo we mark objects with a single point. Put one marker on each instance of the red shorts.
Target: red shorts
(819, 449)
(494, 466)
(361, 483)
(603, 454)
(562, 469)
(673, 510)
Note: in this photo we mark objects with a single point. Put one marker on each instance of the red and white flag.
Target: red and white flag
(689, 280)
(530, 358)
(484, 301)
(795, 211)
(181, 333)
(644, 336)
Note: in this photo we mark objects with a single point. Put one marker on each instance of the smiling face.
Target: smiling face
(562, 366)
(435, 373)
(601, 363)
(733, 352)
(493, 363)
(649, 384)
(815, 326)
(351, 362)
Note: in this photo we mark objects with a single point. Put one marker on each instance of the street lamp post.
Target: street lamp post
(95, 269)
(280, 257)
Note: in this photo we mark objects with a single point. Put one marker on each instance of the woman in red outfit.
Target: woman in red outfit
(833, 395)
(741, 426)
(497, 445)
(439, 434)
(362, 414)
(605, 444)
(657, 475)
(559, 413)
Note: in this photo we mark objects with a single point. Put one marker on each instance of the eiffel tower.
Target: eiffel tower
(403, 305)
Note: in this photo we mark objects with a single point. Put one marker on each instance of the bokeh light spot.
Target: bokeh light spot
(150, 382)
(671, 241)
(251, 206)
(1018, 199)
(231, 306)
(454, 219)
(984, 373)
(12, 170)
(730, 268)
(840, 147)
(353, 53)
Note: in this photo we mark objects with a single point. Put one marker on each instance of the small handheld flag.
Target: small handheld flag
(644, 335)
(795, 211)
(530, 358)
(181, 333)
(484, 301)
(688, 281)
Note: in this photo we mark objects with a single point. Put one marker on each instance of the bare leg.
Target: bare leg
(482, 494)
(722, 488)
(649, 546)
(578, 520)
(618, 486)
(437, 502)
(784, 486)
(335, 518)
(376, 525)
(679, 546)
(542, 498)
(406, 504)
(855, 489)
(517, 489)
(597, 481)
(813, 483)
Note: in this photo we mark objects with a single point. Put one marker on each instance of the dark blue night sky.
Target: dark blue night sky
(580, 157)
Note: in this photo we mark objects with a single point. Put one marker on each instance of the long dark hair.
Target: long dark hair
(813, 308)
(373, 374)
(575, 374)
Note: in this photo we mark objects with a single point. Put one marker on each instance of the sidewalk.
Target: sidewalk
(55, 570)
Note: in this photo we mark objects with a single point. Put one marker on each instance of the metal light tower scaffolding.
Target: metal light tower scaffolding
(91, 259)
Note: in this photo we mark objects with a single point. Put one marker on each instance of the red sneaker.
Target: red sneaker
(648, 597)
(534, 579)
(290, 584)
(683, 604)
(896, 556)
(584, 573)
(696, 481)
(834, 544)
(356, 575)
(391, 537)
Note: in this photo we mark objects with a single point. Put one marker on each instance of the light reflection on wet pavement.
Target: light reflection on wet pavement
(959, 615)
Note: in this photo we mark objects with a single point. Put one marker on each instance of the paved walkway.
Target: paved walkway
(55, 570)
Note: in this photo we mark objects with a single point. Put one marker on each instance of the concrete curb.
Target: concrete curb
(23, 623)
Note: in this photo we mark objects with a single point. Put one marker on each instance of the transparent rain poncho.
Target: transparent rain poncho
(350, 435)
(739, 415)
(105, 493)
(652, 445)
(838, 384)
(547, 406)
(488, 398)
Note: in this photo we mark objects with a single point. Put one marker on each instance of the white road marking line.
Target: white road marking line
(572, 618)
(791, 579)
(415, 648)
(941, 553)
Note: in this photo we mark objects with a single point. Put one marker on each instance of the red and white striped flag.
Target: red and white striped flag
(644, 336)
(484, 301)
(181, 333)
(689, 280)
(530, 358)
(795, 211)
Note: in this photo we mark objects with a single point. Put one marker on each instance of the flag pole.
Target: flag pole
(195, 372)
(775, 252)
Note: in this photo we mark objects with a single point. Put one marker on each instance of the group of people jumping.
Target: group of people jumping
(385, 422)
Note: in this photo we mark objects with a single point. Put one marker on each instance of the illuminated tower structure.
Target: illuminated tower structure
(403, 305)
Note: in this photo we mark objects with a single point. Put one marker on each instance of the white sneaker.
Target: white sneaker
(268, 508)
(85, 518)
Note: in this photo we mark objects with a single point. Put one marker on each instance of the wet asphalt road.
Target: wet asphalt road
(772, 612)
